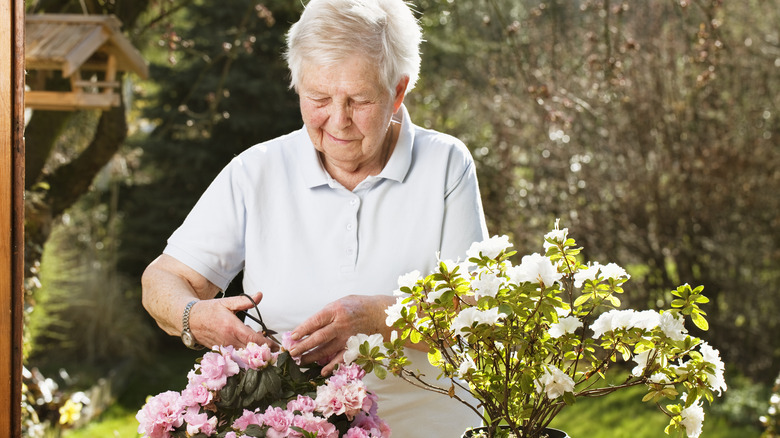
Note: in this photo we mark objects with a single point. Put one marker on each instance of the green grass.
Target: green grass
(622, 414)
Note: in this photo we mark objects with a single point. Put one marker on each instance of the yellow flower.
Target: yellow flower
(70, 412)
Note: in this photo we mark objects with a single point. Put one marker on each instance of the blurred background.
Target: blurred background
(651, 129)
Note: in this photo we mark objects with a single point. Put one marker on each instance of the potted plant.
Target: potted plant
(528, 340)
(254, 392)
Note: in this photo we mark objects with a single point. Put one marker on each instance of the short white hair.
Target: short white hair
(330, 31)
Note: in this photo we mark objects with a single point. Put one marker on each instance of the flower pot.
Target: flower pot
(551, 433)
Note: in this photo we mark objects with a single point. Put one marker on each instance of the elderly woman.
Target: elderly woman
(322, 221)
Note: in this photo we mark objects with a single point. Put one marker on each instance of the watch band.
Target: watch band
(186, 333)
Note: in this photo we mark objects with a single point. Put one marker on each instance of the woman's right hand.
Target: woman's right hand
(214, 322)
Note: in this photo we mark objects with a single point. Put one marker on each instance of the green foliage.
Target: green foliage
(218, 85)
(651, 126)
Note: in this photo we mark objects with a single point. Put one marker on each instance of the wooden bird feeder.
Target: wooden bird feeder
(88, 50)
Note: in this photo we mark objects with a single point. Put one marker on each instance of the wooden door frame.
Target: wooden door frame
(11, 213)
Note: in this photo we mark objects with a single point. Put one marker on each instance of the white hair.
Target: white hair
(330, 31)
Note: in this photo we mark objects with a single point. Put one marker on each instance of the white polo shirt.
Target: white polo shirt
(304, 240)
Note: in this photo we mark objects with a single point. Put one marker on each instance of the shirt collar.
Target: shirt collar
(396, 168)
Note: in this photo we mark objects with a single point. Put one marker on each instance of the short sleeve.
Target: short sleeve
(211, 238)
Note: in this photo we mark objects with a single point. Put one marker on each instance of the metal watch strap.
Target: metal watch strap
(187, 337)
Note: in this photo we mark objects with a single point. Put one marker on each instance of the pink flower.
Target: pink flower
(198, 422)
(214, 369)
(254, 356)
(341, 396)
(371, 424)
(350, 372)
(317, 425)
(247, 418)
(288, 343)
(196, 395)
(302, 404)
(160, 415)
(357, 432)
(279, 422)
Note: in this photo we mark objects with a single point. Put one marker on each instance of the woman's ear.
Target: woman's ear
(400, 92)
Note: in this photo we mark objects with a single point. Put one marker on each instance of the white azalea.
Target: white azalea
(467, 317)
(673, 326)
(554, 382)
(487, 284)
(641, 360)
(354, 343)
(611, 270)
(534, 268)
(436, 294)
(647, 320)
(692, 419)
(717, 381)
(409, 279)
(556, 235)
(466, 365)
(584, 274)
(394, 311)
(569, 324)
(489, 248)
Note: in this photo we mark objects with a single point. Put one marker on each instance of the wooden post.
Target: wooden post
(11, 213)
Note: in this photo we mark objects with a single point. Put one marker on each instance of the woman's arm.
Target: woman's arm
(169, 285)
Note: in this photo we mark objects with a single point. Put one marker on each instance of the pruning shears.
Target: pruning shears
(268, 333)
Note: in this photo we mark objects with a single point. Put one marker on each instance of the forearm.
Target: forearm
(166, 291)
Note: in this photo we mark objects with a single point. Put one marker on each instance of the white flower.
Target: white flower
(692, 418)
(614, 271)
(659, 378)
(487, 284)
(554, 382)
(467, 317)
(466, 365)
(354, 343)
(534, 268)
(611, 321)
(436, 294)
(585, 274)
(394, 311)
(673, 326)
(556, 235)
(647, 320)
(641, 360)
(409, 280)
(489, 248)
(717, 381)
(569, 324)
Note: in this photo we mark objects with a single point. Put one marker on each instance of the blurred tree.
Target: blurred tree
(218, 85)
(650, 128)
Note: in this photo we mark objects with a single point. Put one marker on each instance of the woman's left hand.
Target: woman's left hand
(323, 337)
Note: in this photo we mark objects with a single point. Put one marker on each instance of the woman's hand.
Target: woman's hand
(214, 322)
(324, 335)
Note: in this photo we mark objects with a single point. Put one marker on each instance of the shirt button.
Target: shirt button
(353, 202)
(350, 227)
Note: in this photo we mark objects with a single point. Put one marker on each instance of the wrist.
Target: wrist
(186, 333)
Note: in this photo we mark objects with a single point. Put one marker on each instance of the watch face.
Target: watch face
(187, 338)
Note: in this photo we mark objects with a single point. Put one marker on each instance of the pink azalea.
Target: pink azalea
(340, 396)
(279, 422)
(357, 432)
(248, 417)
(350, 372)
(302, 404)
(288, 343)
(318, 425)
(196, 395)
(160, 415)
(214, 368)
(254, 356)
(200, 422)
(372, 424)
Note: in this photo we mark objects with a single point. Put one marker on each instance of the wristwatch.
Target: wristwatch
(186, 333)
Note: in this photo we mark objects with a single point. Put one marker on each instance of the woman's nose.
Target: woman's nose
(341, 115)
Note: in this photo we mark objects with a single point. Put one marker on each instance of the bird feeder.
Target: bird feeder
(87, 51)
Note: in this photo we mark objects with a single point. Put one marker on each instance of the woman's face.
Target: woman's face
(347, 111)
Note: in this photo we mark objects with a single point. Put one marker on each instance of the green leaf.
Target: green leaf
(700, 321)
(380, 372)
(415, 336)
(434, 357)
